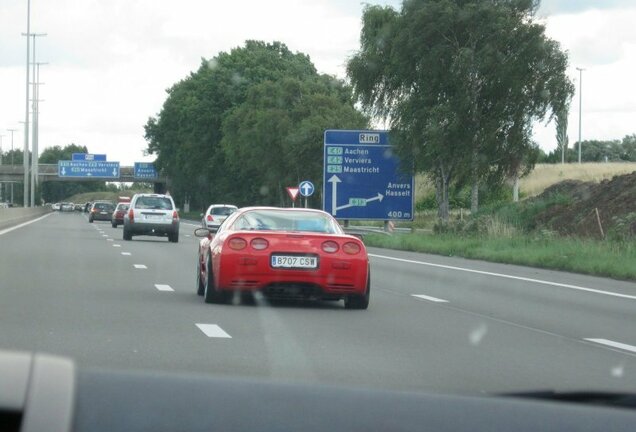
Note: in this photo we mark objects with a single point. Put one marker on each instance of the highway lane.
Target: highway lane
(67, 288)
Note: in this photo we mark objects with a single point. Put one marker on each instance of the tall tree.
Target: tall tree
(255, 98)
(461, 82)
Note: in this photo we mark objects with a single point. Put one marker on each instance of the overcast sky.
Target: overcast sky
(110, 61)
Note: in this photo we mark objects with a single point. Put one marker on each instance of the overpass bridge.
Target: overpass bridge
(48, 172)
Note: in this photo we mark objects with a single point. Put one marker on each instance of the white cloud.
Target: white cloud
(603, 42)
(111, 60)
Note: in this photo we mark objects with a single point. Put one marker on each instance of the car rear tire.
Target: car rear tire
(211, 294)
(173, 237)
(113, 224)
(200, 286)
(359, 302)
(127, 234)
(90, 219)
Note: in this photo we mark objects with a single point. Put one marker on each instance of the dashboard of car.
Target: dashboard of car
(39, 392)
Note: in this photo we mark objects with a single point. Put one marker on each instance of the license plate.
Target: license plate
(154, 216)
(293, 261)
(103, 213)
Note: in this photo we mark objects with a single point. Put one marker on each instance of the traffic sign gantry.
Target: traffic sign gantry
(96, 169)
(145, 170)
(363, 179)
(306, 188)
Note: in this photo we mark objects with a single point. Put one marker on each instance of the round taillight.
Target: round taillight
(175, 215)
(351, 248)
(259, 243)
(237, 243)
(330, 246)
(210, 218)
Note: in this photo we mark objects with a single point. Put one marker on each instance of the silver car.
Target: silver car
(216, 214)
(152, 214)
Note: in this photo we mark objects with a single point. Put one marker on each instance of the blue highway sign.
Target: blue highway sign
(88, 157)
(306, 188)
(145, 170)
(362, 178)
(96, 169)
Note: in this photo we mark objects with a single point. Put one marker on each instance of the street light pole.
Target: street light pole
(580, 106)
(25, 157)
(34, 125)
(1, 184)
(12, 155)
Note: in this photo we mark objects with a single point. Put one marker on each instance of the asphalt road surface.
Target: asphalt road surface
(434, 324)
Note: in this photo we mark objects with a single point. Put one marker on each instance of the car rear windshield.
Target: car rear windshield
(104, 206)
(281, 220)
(155, 203)
(122, 207)
(222, 211)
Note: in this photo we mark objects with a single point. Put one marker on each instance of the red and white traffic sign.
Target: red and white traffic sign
(292, 192)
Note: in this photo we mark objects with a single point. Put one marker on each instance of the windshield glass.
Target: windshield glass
(411, 195)
(280, 220)
(156, 203)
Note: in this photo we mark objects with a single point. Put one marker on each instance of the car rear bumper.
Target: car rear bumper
(151, 228)
(333, 279)
(97, 216)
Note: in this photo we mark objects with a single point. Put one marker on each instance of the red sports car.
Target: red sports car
(283, 253)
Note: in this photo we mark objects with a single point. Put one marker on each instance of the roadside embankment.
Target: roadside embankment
(16, 215)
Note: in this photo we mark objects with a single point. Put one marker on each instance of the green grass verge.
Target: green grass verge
(600, 258)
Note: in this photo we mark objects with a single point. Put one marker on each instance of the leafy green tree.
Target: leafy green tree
(461, 82)
(275, 138)
(214, 148)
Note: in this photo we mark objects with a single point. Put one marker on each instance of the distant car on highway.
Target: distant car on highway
(118, 214)
(56, 206)
(282, 252)
(67, 207)
(152, 214)
(216, 214)
(101, 210)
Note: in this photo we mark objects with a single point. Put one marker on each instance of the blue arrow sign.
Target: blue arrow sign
(145, 170)
(306, 188)
(363, 179)
(88, 157)
(96, 169)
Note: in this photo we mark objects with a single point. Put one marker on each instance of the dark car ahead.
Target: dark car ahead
(118, 214)
(101, 210)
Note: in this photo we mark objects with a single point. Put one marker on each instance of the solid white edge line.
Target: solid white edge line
(213, 331)
(13, 228)
(612, 344)
(163, 287)
(140, 266)
(429, 298)
(525, 279)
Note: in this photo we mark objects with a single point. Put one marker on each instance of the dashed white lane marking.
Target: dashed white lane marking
(537, 281)
(104, 235)
(116, 245)
(213, 331)
(109, 239)
(140, 266)
(162, 287)
(429, 298)
(126, 253)
(613, 344)
(6, 230)
(188, 235)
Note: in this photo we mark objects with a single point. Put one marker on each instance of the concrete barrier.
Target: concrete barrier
(16, 215)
